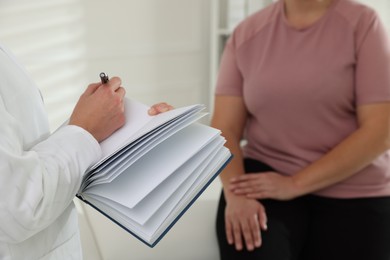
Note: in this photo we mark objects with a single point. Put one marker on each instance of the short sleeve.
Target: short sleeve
(373, 61)
(230, 79)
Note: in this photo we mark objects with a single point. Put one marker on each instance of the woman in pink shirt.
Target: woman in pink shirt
(306, 83)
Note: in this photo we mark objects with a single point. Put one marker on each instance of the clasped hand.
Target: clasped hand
(245, 216)
(265, 185)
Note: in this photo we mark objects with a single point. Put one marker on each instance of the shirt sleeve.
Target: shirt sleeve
(373, 61)
(230, 79)
(38, 184)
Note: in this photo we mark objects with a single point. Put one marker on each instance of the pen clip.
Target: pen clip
(103, 77)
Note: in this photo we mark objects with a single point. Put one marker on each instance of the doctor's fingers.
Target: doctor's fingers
(159, 108)
(113, 84)
(121, 92)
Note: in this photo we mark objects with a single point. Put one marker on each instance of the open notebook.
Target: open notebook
(153, 169)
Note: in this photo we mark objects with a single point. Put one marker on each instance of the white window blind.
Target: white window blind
(47, 36)
(158, 47)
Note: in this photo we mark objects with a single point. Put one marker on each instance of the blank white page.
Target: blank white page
(143, 176)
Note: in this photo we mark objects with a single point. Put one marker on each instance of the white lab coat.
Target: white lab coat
(39, 173)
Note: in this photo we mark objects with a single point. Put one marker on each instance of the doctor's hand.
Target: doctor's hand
(100, 109)
(244, 220)
(159, 108)
(265, 185)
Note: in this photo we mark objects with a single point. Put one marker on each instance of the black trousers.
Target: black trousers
(316, 228)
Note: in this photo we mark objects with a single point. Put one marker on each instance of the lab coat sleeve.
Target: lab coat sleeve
(38, 184)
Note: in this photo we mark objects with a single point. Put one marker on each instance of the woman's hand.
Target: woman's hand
(265, 185)
(244, 220)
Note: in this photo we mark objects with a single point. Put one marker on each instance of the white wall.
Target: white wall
(383, 9)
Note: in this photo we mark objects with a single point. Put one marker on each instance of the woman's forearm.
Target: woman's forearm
(230, 117)
(235, 167)
(346, 159)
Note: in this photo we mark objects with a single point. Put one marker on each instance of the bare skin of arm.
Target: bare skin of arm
(244, 217)
(358, 150)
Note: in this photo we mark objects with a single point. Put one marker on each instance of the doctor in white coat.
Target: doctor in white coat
(40, 172)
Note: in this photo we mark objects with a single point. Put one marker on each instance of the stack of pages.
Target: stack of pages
(153, 169)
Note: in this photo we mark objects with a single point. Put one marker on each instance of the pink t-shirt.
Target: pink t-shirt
(302, 87)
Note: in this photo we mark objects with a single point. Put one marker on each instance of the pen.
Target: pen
(103, 77)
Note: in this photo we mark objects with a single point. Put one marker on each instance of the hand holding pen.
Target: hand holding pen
(100, 109)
